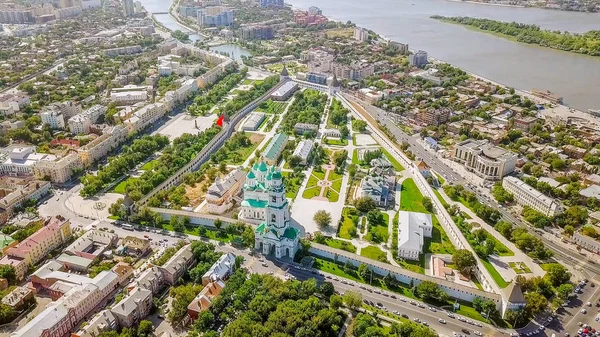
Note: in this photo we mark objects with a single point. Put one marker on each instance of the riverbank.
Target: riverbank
(489, 4)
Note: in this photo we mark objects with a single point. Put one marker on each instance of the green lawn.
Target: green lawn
(292, 186)
(273, 107)
(341, 244)
(309, 193)
(312, 181)
(347, 228)
(500, 248)
(495, 275)
(240, 155)
(546, 266)
(319, 174)
(332, 195)
(335, 141)
(334, 176)
(247, 82)
(411, 198)
(336, 185)
(381, 231)
(519, 267)
(210, 234)
(397, 166)
(374, 253)
(440, 198)
(439, 242)
(440, 179)
(120, 188)
(150, 165)
(355, 157)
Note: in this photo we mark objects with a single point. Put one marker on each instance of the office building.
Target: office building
(22, 160)
(526, 195)
(316, 78)
(128, 8)
(413, 228)
(354, 71)
(484, 159)
(418, 59)
(215, 16)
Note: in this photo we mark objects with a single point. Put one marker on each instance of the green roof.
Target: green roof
(290, 233)
(5, 240)
(251, 175)
(260, 228)
(254, 203)
(262, 167)
(276, 146)
(277, 175)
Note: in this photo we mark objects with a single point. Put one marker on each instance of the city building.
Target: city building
(128, 50)
(257, 32)
(58, 170)
(524, 123)
(18, 297)
(264, 195)
(526, 195)
(204, 299)
(271, 3)
(302, 128)
(55, 119)
(92, 244)
(254, 121)
(402, 48)
(180, 262)
(312, 17)
(586, 242)
(220, 270)
(80, 123)
(15, 191)
(361, 34)
(134, 246)
(285, 91)
(379, 188)
(484, 159)
(275, 148)
(316, 78)
(413, 228)
(146, 115)
(101, 322)
(354, 71)
(418, 59)
(133, 308)
(22, 160)
(128, 8)
(129, 94)
(151, 279)
(435, 117)
(219, 197)
(216, 16)
(101, 146)
(369, 95)
(36, 247)
(304, 150)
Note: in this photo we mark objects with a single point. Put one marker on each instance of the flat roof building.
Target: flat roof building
(484, 159)
(304, 150)
(526, 195)
(275, 148)
(285, 91)
(413, 228)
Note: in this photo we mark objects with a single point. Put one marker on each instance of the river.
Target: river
(575, 77)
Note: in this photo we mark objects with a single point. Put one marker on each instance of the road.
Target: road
(561, 252)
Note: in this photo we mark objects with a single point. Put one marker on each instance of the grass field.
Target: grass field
(292, 186)
(272, 107)
(397, 166)
(312, 192)
(149, 165)
(411, 198)
(500, 248)
(374, 253)
(440, 179)
(342, 32)
(380, 231)
(332, 195)
(519, 267)
(120, 188)
(341, 244)
(238, 156)
(440, 198)
(335, 141)
(247, 82)
(495, 274)
(347, 228)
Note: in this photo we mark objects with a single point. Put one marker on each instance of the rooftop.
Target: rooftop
(275, 146)
(411, 229)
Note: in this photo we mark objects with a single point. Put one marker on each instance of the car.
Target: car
(416, 319)
(432, 309)
(592, 285)
(377, 291)
(567, 334)
(583, 311)
(466, 331)
(404, 315)
(379, 305)
(425, 323)
(402, 299)
(336, 279)
(329, 277)
(421, 306)
(396, 312)
(478, 333)
(393, 296)
(589, 304)
(477, 324)
(442, 321)
(514, 334)
(265, 265)
(413, 303)
(451, 315)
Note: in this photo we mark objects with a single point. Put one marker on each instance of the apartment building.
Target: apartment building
(58, 170)
(219, 197)
(484, 159)
(37, 246)
(100, 147)
(257, 32)
(418, 59)
(178, 264)
(128, 50)
(80, 123)
(220, 270)
(216, 16)
(145, 116)
(151, 279)
(526, 195)
(15, 14)
(354, 71)
(435, 117)
(14, 191)
(61, 316)
(586, 242)
(55, 119)
(304, 151)
(361, 34)
(402, 48)
(133, 308)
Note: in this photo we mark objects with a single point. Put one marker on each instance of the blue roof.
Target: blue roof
(430, 140)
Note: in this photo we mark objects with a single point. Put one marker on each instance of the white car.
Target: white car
(442, 321)
(477, 333)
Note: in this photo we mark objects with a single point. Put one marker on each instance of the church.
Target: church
(264, 200)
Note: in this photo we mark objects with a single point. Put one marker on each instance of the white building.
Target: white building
(101, 146)
(145, 116)
(484, 159)
(55, 119)
(220, 270)
(303, 150)
(264, 194)
(59, 171)
(413, 228)
(80, 123)
(528, 196)
(361, 34)
(219, 197)
(21, 161)
(254, 121)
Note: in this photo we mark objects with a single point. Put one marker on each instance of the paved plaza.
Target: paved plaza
(187, 124)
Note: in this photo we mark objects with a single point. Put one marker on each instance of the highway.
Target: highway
(565, 254)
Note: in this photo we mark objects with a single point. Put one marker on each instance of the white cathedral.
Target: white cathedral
(264, 200)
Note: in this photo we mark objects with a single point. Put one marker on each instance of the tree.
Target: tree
(364, 204)
(569, 230)
(352, 299)
(339, 158)
(464, 260)
(322, 218)
(359, 125)
(564, 290)
(218, 223)
(429, 291)
(504, 228)
(535, 303)
(8, 272)
(336, 301)
(294, 161)
(327, 289)
(177, 223)
(428, 204)
(145, 329)
(344, 132)
(557, 274)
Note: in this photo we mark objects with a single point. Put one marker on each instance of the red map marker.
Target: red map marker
(220, 120)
